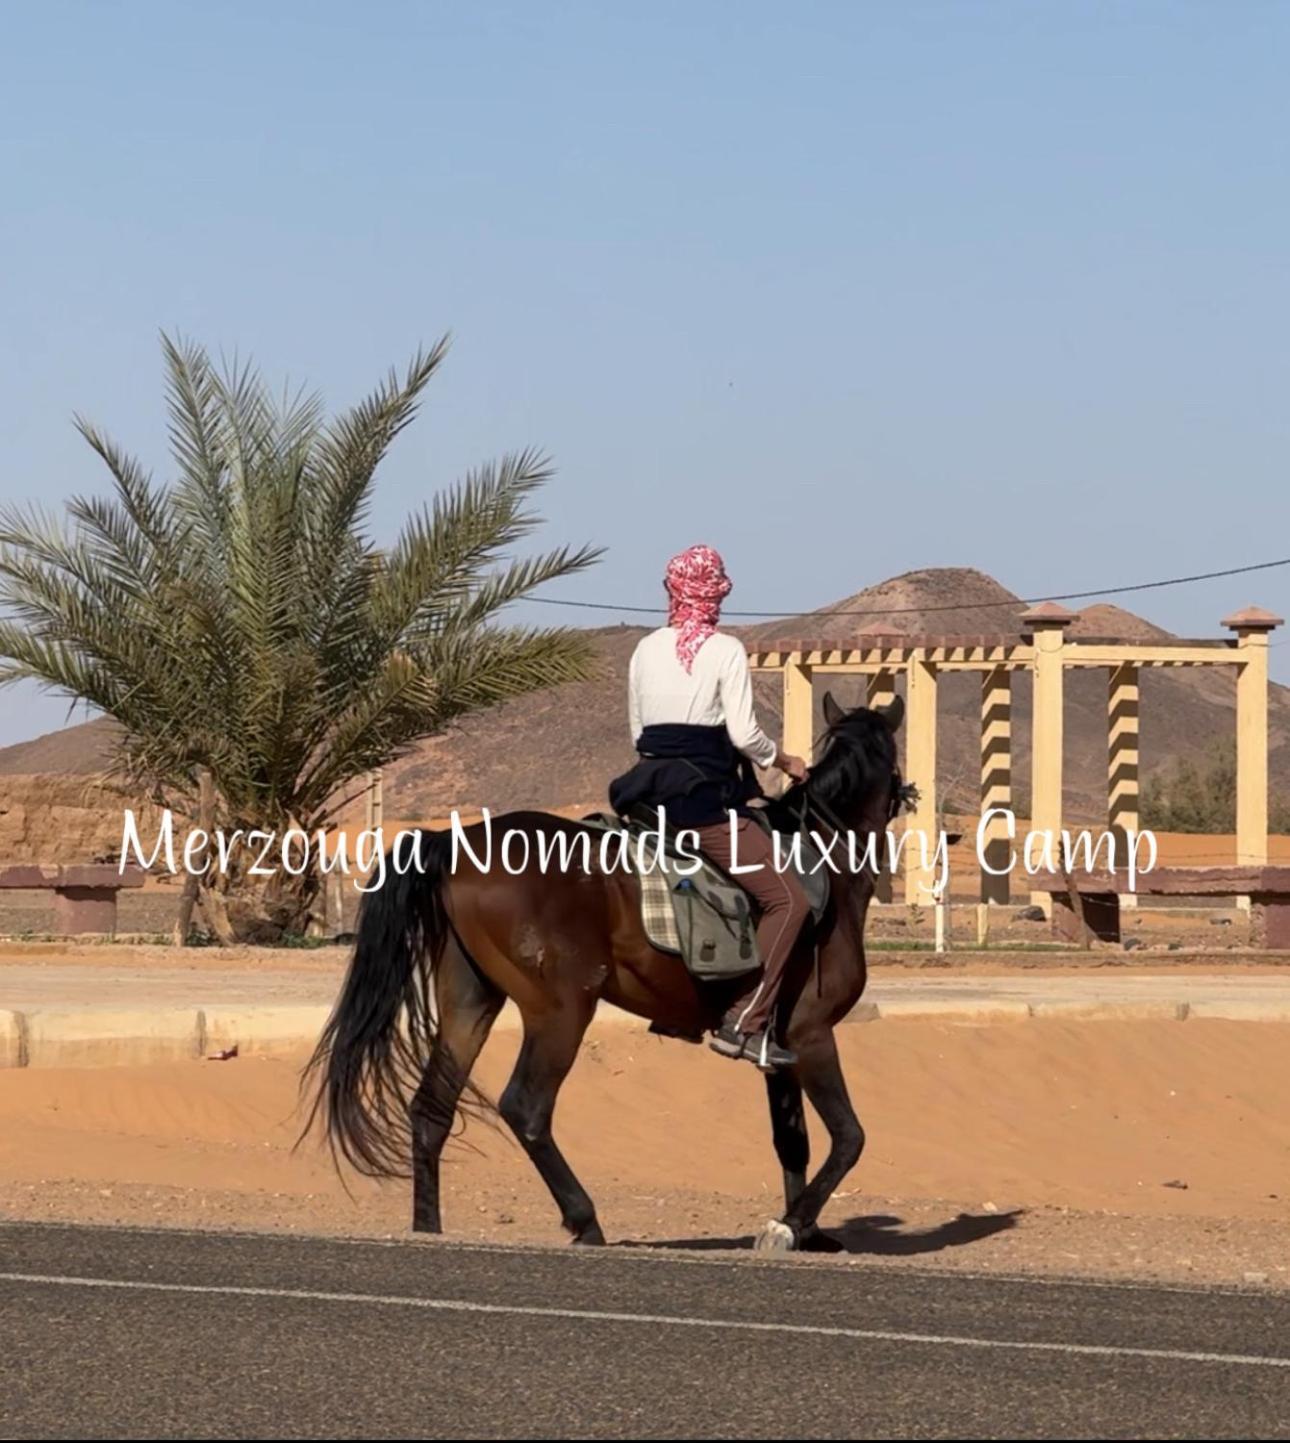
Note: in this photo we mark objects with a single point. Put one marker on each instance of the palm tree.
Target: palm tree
(245, 632)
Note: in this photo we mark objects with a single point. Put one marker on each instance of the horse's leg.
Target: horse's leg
(467, 1005)
(550, 1045)
(788, 1127)
(821, 1075)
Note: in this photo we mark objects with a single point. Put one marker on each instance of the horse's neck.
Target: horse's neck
(857, 888)
(854, 889)
(841, 959)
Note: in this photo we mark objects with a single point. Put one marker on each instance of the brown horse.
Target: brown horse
(439, 951)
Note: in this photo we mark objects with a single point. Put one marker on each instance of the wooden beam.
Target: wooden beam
(1157, 654)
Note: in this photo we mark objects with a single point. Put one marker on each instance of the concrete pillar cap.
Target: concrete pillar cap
(1253, 618)
(1047, 613)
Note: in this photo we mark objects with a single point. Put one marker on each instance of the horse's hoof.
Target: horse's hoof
(589, 1237)
(775, 1237)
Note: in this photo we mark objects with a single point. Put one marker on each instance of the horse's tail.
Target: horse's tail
(381, 1035)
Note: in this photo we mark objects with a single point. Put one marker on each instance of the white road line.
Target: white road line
(587, 1315)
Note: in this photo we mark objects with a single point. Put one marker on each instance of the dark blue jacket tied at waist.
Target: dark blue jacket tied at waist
(695, 773)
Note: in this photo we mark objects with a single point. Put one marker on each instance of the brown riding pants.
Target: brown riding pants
(784, 910)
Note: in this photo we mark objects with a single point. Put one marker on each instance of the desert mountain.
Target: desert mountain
(561, 747)
(82, 750)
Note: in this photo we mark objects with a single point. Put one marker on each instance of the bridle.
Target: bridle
(902, 794)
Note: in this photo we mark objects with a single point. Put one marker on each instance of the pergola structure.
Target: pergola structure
(1044, 649)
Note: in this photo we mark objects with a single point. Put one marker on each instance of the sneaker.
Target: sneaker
(759, 1048)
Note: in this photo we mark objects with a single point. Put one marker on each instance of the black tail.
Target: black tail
(381, 1035)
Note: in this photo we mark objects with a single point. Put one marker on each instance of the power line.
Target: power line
(950, 606)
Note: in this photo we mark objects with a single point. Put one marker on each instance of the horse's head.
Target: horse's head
(857, 777)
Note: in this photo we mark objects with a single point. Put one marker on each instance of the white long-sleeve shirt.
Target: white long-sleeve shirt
(716, 691)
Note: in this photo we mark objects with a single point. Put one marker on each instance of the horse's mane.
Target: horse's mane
(857, 756)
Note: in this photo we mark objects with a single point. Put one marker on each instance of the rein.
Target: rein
(902, 795)
(814, 804)
(905, 795)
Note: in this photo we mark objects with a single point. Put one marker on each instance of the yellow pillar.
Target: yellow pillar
(1252, 627)
(996, 780)
(920, 768)
(1047, 623)
(1122, 717)
(880, 690)
(798, 713)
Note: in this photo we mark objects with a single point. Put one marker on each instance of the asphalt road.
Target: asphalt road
(122, 1333)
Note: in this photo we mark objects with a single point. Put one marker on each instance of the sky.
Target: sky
(843, 289)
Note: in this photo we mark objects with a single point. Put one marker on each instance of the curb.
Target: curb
(951, 1010)
(1146, 1010)
(1237, 1011)
(261, 1030)
(51, 1037)
(109, 1038)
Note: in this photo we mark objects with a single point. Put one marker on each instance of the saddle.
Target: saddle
(705, 918)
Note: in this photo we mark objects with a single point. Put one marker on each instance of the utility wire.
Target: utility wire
(950, 606)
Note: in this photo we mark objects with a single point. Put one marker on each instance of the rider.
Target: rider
(691, 714)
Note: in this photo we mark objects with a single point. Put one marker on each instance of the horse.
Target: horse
(439, 951)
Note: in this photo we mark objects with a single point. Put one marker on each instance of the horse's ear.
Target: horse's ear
(833, 713)
(893, 713)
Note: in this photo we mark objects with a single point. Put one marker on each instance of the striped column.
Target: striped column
(996, 779)
(1122, 712)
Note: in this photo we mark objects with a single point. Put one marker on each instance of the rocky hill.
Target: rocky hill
(560, 747)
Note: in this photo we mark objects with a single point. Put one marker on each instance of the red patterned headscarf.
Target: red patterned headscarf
(696, 584)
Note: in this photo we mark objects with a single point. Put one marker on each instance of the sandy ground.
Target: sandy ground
(1111, 1149)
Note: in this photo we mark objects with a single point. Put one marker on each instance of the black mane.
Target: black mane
(857, 757)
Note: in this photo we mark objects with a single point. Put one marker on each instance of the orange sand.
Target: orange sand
(1080, 1126)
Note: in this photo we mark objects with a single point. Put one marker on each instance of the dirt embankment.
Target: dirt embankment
(71, 818)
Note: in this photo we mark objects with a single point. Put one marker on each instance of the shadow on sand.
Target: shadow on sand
(879, 1234)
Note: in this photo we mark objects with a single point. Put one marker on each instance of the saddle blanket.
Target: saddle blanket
(703, 918)
(658, 915)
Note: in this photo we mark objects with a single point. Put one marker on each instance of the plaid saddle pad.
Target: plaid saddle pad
(705, 919)
(658, 915)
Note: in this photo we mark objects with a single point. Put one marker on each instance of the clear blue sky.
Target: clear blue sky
(845, 289)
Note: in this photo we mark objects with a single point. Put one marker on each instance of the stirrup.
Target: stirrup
(767, 1054)
(759, 1048)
